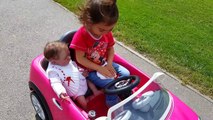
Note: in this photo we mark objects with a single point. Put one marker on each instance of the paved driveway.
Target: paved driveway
(25, 27)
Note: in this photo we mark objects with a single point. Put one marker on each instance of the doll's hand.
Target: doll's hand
(85, 73)
(65, 97)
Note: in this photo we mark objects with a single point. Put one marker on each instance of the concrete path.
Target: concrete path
(25, 27)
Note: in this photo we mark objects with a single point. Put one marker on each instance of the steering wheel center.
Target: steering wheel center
(122, 85)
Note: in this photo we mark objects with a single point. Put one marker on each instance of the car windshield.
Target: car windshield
(150, 102)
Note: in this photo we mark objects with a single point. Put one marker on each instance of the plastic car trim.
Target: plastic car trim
(113, 108)
(57, 104)
(169, 108)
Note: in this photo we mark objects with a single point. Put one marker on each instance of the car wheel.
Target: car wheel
(41, 113)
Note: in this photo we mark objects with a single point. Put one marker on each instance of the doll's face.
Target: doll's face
(64, 58)
(99, 29)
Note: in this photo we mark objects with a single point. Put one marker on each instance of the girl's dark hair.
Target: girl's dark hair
(97, 11)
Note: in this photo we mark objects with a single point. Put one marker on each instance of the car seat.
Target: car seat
(67, 38)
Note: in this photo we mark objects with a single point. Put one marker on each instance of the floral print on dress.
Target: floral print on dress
(97, 53)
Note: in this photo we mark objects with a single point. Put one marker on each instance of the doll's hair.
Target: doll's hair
(53, 49)
(97, 11)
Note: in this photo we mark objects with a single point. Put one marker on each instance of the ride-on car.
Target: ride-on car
(142, 97)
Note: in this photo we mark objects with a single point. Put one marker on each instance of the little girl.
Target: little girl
(94, 41)
(65, 77)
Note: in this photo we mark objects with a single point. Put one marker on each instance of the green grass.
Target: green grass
(176, 34)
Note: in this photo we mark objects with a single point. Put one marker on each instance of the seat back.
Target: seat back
(44, 64)
(67, 38)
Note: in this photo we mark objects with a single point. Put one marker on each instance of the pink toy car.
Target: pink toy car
(142, 97)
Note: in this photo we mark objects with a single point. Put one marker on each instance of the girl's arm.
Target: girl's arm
(80, 57)
(110, 53)
(110, 58)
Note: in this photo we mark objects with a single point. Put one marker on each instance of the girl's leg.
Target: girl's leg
(93, 88)
(82, 102)
(121, 71)
(110, 99)
(97, 80)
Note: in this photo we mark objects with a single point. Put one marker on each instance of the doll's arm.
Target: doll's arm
(56, 84)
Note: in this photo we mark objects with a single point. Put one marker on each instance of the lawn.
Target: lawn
(175, 34)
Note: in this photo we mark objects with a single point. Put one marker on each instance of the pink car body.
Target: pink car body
(65, 111)
(49, 107)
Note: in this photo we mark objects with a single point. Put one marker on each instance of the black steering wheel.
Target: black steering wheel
(122, 85)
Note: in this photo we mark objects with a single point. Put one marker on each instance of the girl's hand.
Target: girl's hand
(64, 96)
(105, 72)
(111, 69)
